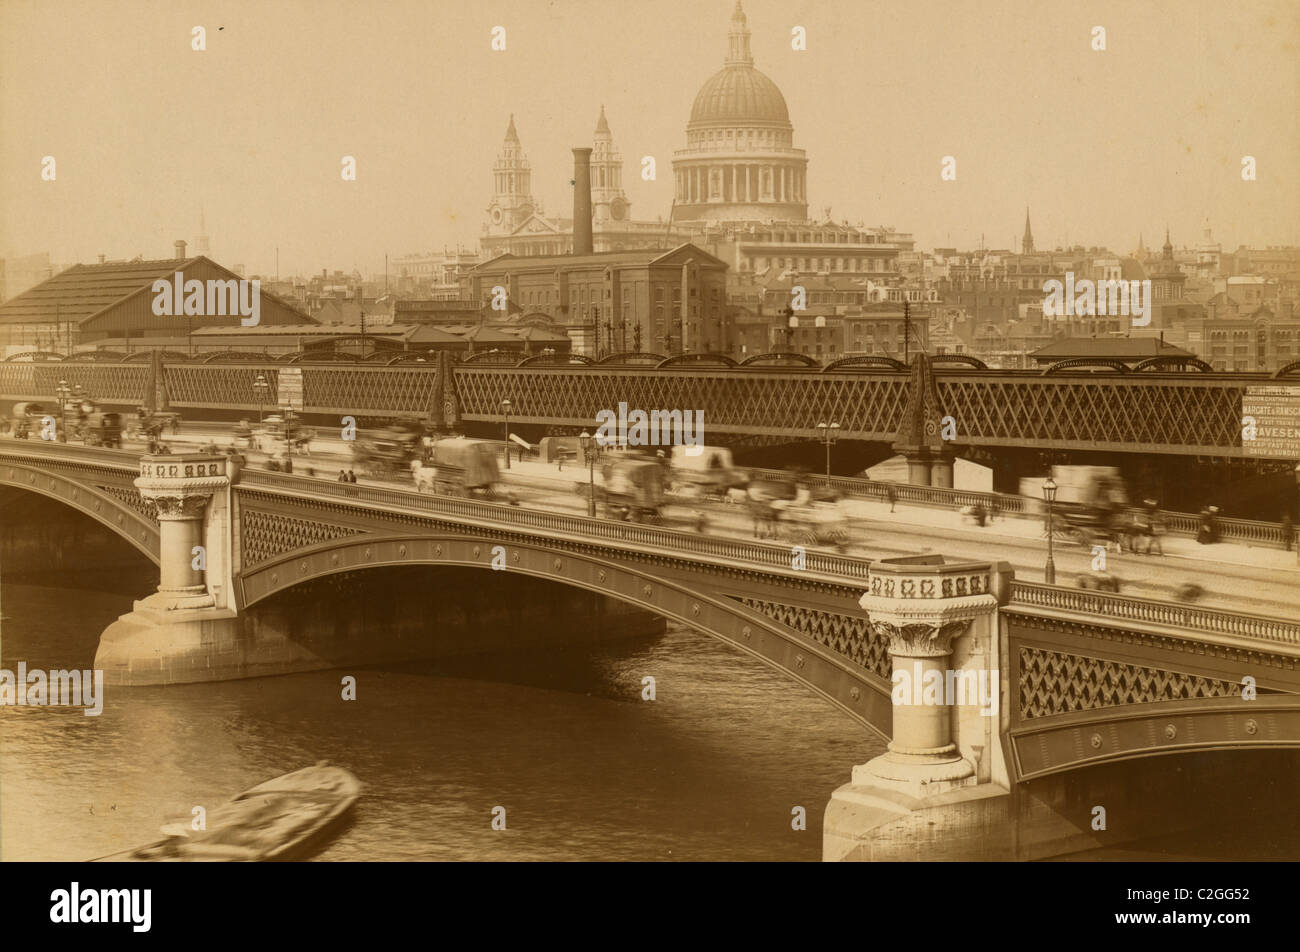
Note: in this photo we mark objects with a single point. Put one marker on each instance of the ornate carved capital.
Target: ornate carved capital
(919, 639)
(177, 505)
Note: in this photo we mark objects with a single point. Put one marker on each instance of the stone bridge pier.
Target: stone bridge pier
(921, 798)
(188, 629)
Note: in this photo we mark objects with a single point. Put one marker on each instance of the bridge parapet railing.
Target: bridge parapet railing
(72, 453)
(761, 554)
(1170, 614)
(1248, 531)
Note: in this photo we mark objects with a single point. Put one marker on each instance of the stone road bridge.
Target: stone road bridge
(1075, 679)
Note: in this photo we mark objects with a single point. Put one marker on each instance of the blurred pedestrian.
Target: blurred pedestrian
(343, 477)
(1203, 526)
(891, 495)
(352, 477)
(1288, 531)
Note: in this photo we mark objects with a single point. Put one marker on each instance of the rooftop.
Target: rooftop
(1113, 348)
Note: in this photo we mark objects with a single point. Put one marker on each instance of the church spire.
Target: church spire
(1027, 243)
(738, 39)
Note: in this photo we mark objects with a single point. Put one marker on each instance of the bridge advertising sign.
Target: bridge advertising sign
(290, 388)
(1271, 415)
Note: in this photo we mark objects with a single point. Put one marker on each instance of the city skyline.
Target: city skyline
(1174, 102)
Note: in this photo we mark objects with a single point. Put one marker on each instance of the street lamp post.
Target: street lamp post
(505, 410)
(64, 391)
(261, 386)
(1049, 493)
(589, 451)
(827, 433)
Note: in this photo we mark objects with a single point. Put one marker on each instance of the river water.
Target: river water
(586, 769)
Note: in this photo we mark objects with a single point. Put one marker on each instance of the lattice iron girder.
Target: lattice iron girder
(1184, 414)
(867, 407)
(1053, 682)
(401, 390)
(1180, 416)
(106, 382)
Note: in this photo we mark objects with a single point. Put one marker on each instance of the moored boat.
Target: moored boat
(279, 819)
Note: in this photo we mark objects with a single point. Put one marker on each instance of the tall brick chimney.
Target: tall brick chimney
(180, 250)
(582, 202)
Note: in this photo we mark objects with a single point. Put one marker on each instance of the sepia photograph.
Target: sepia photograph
(623, 432)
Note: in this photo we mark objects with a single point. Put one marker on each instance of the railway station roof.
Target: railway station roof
(1128, 349)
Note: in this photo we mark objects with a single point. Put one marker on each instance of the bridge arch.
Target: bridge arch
(496, 357)
(556, 360)
(242, 356)
(859, 693)
(966, 359)
(103, 504)
(633, 358)
(320, 357)
(874, 362)
(1173, 362)
(33, 357)
(1086, 363)
(708, 360)
(781, 358)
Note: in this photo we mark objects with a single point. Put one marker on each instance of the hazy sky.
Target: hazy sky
(1101, 145)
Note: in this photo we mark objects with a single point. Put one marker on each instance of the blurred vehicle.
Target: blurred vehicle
(26, 419)
(387, 452)
(812, 518)
(150, 426)
(1098, 582)
(245, 434)
(290, 431)
(103, 429)
(633, 489)
(1091, 505)
(764, 495)
(707, 470)
(464, 467)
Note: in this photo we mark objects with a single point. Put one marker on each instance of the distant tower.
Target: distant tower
(607, 176)
(512, 180)
(1167, 279)
(1141, 254)
(1027, 242)
(201, 241)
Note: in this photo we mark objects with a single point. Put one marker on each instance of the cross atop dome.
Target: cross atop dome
(738, 40)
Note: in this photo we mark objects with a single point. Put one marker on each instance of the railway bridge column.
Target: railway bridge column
(920, 434)
(188, 629)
